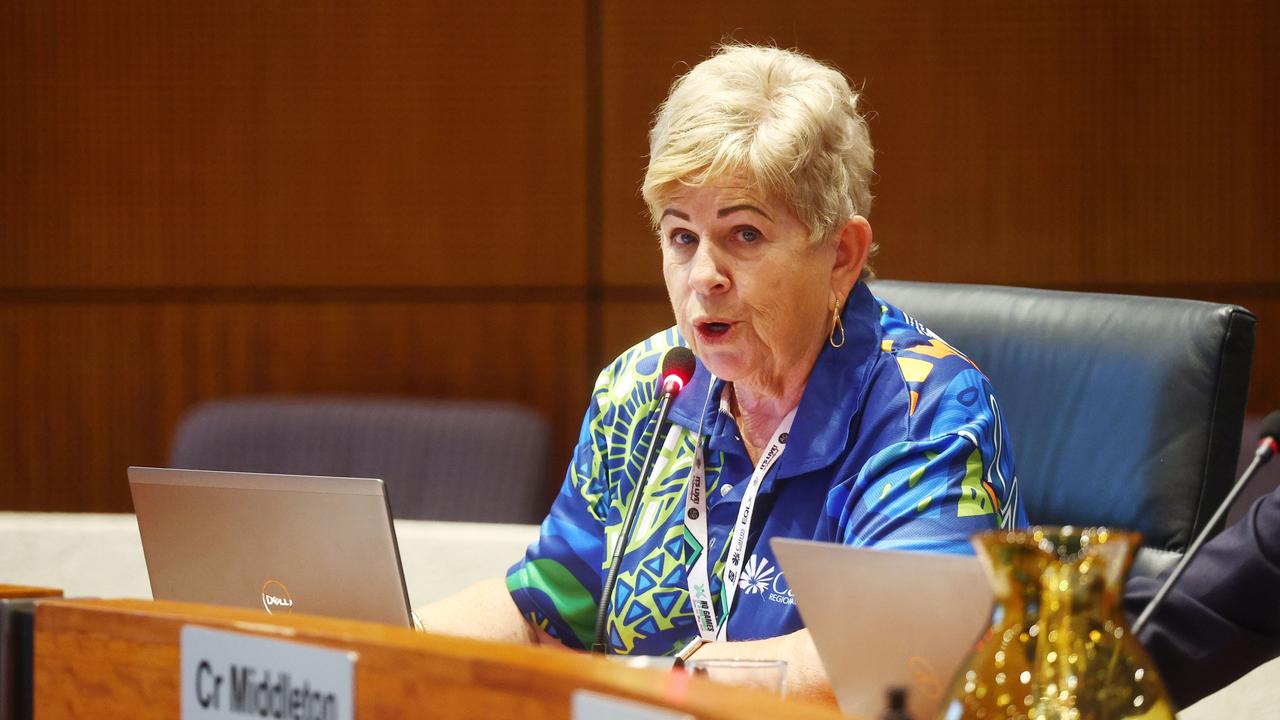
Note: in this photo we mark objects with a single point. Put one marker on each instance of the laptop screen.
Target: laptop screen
(278, 543)
(883, 619)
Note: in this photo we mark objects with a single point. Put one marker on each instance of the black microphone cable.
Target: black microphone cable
(677, 369)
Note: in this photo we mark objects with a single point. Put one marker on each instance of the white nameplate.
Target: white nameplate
(587, 705)
(232, 675)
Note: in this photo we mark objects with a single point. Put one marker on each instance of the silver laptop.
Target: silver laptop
(279, 543)
(881, 619)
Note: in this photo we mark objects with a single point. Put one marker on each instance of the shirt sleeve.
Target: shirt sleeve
(934, 493)
(1222, 618)
(556, 584)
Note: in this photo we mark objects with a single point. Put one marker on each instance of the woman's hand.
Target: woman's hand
(485, 611)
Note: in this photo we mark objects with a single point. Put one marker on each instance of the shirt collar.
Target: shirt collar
(832, 395)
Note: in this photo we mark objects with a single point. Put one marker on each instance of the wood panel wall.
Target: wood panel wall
(439, 199)
(203, 199)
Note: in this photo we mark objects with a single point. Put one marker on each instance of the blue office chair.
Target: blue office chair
(1123, 411)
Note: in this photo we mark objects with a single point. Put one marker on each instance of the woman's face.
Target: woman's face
(751, 294)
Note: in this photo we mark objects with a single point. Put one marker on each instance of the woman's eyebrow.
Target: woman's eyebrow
(677, 213)
(735, 208)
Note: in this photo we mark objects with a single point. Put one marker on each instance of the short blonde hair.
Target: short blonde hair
(787, 122)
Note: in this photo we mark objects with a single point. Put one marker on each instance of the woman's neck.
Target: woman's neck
(758, 415)
(760, 402)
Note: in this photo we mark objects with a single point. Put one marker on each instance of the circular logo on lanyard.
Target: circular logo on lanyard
(693, 513)
(782, 439)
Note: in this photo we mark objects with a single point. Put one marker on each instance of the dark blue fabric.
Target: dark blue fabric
(1222, 619)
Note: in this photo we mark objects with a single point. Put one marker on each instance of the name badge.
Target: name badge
(233, 675)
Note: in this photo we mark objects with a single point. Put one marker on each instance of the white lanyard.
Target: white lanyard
(695, 522)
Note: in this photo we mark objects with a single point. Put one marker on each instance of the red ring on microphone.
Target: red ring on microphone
(672, 383)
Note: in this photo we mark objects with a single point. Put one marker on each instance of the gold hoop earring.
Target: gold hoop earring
(836, 325)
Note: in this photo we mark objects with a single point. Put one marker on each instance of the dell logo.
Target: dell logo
(275, 597)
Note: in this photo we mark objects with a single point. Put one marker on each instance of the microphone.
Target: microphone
(677, 369)
(1268, 447)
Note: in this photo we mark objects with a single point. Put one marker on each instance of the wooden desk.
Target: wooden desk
(121, 659)
(15, 592)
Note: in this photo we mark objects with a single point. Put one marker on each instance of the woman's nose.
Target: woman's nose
(707, 275)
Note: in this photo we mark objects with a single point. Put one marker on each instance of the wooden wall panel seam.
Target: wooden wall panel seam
(222, 294)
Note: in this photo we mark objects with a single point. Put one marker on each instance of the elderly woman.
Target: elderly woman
(815, 410)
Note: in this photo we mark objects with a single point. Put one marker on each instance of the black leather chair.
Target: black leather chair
(1123, 411)
(441, 460)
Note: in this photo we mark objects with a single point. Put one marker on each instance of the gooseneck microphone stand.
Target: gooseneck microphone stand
(677, 368)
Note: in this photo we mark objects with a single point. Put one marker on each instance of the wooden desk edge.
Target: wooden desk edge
(399, 660)
(16, 592)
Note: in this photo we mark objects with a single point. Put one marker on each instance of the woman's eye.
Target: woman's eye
(683, 237)
(749, 235)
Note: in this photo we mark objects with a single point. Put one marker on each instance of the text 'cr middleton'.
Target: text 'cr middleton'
(260, 694)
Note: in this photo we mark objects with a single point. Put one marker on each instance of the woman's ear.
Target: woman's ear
(853, 246)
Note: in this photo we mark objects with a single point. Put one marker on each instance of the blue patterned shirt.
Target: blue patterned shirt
(898, 443)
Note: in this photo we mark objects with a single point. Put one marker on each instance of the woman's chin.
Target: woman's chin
(723, 363)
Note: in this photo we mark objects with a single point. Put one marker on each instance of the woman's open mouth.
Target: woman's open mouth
(712, 332)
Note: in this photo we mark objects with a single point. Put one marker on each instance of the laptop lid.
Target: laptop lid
(881, 619)
(278, 543)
